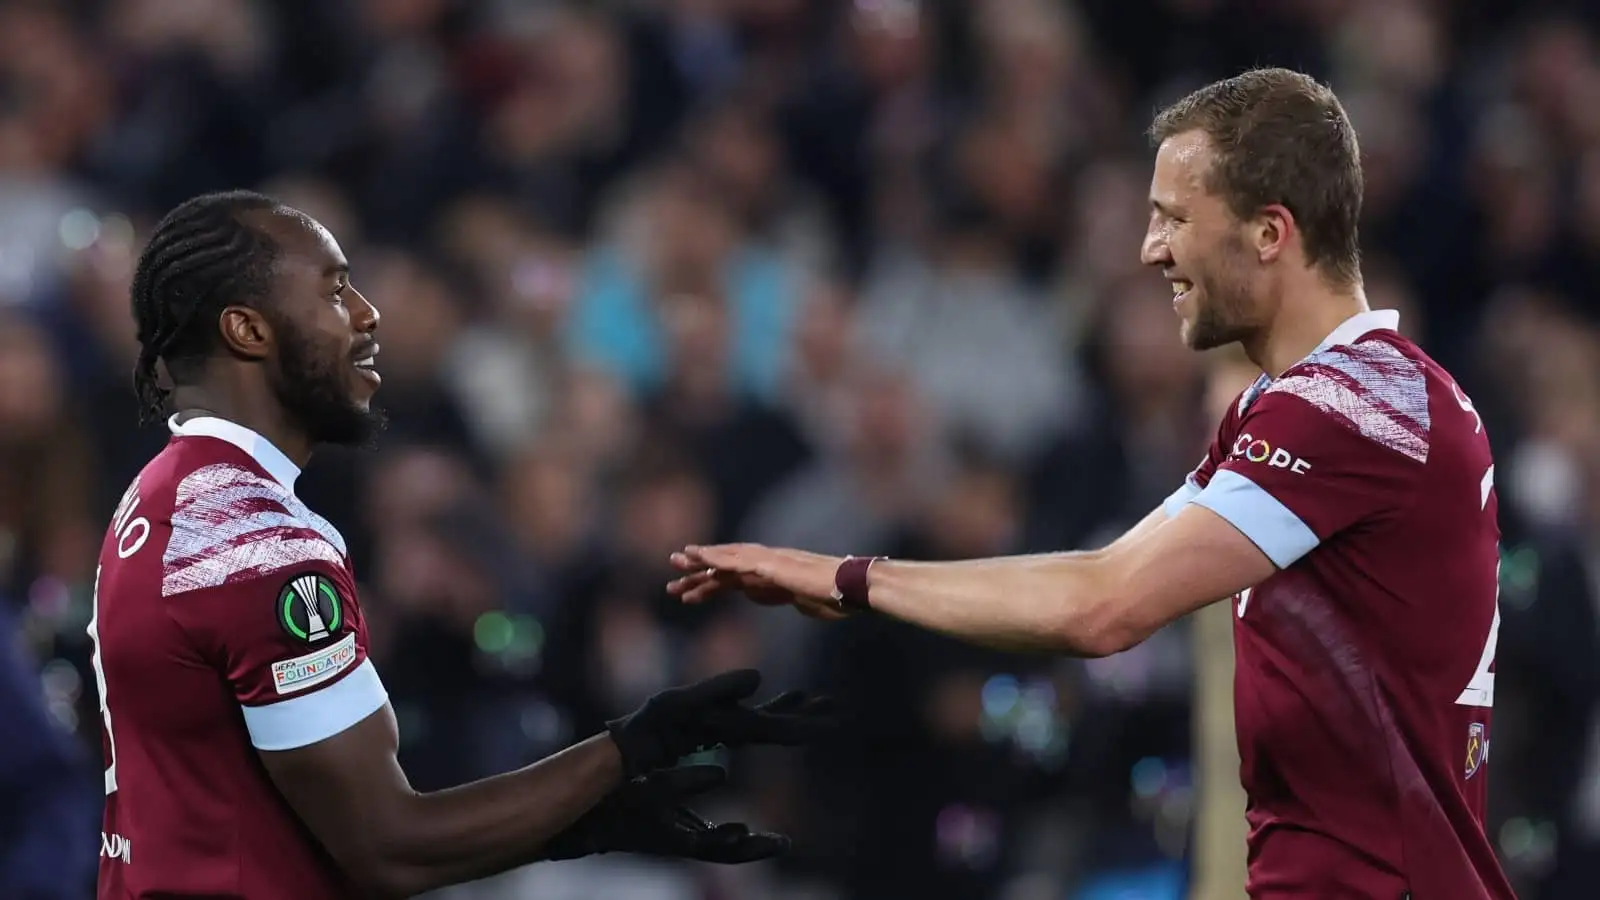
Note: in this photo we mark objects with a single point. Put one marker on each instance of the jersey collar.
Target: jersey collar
(260, 449)
(1351, 329)
(1348, 332)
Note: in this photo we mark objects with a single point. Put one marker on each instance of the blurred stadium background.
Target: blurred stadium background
(856, 277)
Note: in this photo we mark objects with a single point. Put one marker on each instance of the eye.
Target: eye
(1166, 216)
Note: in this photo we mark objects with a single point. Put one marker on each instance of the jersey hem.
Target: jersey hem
(304, 720)
(1259, 516)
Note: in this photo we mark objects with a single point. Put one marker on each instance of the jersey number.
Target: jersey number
(1480, 690)
(130, 534)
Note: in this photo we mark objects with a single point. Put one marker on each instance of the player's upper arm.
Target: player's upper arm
(1314, 455)
(351, 793)
(259, 586)
(291, 645)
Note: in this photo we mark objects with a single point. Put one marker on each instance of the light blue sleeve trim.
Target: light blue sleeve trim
(318, 715)
(1270, 525)
(1180, 498)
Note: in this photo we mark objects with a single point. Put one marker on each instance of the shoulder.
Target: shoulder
(1375, 388)
(1246, 399)
(233, 523)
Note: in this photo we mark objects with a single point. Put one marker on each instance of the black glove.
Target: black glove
(683, 720)
(646, 816)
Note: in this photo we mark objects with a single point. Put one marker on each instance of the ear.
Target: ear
(245, 332)
(1272, 230)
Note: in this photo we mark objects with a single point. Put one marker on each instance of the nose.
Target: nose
(1153, 252)
(363, 314)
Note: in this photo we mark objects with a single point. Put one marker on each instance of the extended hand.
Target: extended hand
(767, 575)
(647, 815)
(682, 720)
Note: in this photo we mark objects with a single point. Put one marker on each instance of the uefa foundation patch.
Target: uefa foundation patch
(307, 671)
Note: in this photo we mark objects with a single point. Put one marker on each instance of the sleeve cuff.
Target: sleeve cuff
(319, 715)
(1270, 525)
(1180, 498)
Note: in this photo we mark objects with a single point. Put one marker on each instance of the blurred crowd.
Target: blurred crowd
(851, 276)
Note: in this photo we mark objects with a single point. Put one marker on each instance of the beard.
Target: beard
(1226, 315)
(314, 388)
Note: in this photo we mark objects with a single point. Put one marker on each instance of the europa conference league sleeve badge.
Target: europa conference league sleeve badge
(309, 607)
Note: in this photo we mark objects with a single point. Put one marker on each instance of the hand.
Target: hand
(683, 720)
(772, 577)
(647, 815)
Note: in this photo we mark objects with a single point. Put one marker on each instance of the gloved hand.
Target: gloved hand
(683, 720)
(647, 816)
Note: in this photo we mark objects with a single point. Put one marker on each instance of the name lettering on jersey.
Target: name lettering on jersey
(310, 670)
(115, 846)
(1477, 747)
(1465, 402)
(131, 531)
(1256, 450)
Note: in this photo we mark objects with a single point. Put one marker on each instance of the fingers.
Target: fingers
(675, 785)
(702, 584)
(738, 726)
(786, 702)
(699, 579)
(733, 843)
(696, 588)
(730, 843)
(719, 689)
(791, 702)
(700, 593)
(823, 708)
(683, 562)
(732, 557)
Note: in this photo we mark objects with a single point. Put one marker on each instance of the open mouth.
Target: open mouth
(366, 363)
(1181, 289)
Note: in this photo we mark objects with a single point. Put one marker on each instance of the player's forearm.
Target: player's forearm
(1046, 601)
(489, 826)
(1059, 601)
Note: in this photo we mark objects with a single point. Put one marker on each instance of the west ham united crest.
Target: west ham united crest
(1477, 748)
(309, 608)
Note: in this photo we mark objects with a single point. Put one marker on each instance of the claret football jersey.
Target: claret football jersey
(225, 622)
(1365, 665)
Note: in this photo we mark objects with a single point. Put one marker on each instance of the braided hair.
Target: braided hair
(201, 258)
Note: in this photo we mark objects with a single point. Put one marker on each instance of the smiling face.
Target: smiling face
(322, 365)
(1201, 247)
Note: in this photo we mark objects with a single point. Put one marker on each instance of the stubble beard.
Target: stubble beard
(1226, 315)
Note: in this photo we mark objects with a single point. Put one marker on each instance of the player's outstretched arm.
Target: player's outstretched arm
(1093, 603)
(350, 791)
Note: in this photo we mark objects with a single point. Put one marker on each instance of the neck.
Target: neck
(265, 419)
(1304, 320)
